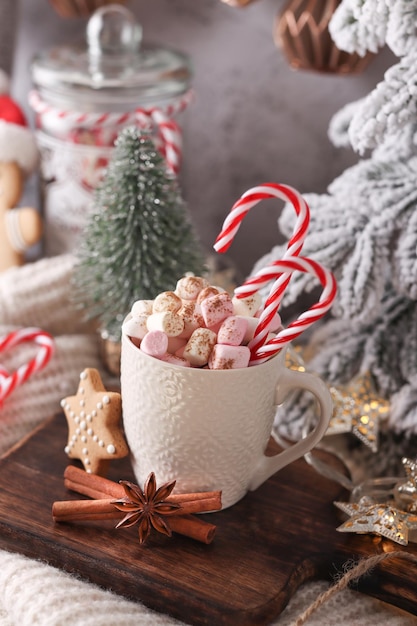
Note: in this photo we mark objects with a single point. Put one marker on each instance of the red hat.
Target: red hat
(17, 142)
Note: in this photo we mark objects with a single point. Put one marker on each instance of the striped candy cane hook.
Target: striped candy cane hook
(45, 343)
(233, 221)
(261, 350)
(252, 197)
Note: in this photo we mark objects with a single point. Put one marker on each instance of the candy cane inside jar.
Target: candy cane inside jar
(84, 97)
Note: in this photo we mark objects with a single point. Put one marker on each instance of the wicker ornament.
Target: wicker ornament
(301, 30)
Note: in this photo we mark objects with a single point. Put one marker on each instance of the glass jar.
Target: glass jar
(83, 96)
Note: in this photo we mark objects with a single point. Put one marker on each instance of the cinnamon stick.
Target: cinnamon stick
(92, 510)
(97, 487)
(84, 510)
(77, 509)
(192, 527)
(91, 485)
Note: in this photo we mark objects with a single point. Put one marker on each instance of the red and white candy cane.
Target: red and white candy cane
(261, 350)
(168, 128)
(252, 197)
(45, 343)
(234, 219)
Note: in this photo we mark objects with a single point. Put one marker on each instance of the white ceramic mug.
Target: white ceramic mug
(208, 429)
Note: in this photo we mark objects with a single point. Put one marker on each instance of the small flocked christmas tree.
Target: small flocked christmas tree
(139, 239)
(365, 227)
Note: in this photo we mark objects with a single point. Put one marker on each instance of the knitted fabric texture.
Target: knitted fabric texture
(38, 294)
(35, 594)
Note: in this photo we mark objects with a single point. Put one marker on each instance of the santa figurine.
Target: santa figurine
(20, 228)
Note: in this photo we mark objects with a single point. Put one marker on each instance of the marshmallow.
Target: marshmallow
(135, 326)
(141, 307)
(225, 357)
(247, 306)
(175, 343)
(206, 293)
(166, 301)
(170, 323)
(251, 325)
(190, 312)
(197, 325)
(172, 359)
(216, 308)
(155, 343)
(188, 287)
(199, 346)
(233, 330)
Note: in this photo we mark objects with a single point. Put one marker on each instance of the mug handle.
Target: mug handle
(293, 379)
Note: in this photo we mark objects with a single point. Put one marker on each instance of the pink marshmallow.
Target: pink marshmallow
(175, 343)
(175, 360)
(251, 325)
(207, 292)
(232, 331)
(216, 308)
(225, 357)
(155, 343)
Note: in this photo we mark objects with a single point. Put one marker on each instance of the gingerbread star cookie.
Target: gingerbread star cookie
(93, 417)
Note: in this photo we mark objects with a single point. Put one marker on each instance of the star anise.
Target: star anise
(146, 508)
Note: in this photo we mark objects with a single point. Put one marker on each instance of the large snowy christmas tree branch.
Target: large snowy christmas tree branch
(367, 25)
(362, 25)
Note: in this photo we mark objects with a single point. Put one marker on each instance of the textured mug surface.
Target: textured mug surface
(208, 429)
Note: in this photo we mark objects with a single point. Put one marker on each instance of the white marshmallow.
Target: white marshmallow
(190, 312)
(188, 287)
(141, 307)
(170, 323)
(135, 326)
(247, 306)
(199, 346)
(166, 301)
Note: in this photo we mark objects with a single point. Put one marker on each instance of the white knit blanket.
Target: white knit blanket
(33, 593)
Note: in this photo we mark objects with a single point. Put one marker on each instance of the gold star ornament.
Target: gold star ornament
(358, 409)
(93, 417)
(406, 490)
(379, 519)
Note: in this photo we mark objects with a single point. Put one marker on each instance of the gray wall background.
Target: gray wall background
(254, 119)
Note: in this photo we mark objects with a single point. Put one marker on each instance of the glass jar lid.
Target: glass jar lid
(113, 71)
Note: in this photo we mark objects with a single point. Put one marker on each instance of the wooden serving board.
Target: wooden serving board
(265, 546)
